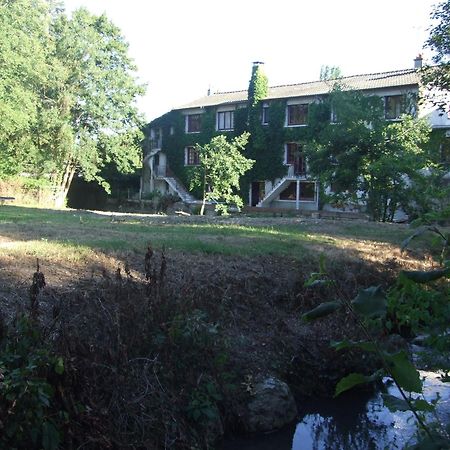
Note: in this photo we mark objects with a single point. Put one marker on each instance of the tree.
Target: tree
(24, 40)
(364, 158)
(67, 95)
(330, 73)
(437, 78)
(96, 98)
(221, 166)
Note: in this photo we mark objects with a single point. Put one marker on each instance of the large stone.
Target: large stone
(271, 406)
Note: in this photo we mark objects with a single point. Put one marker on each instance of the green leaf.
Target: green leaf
(420, 276)
(50, 436)
(322, 263)
(59, 366)
(422, 405)
(313, 283)
(324, 309)
(370, 302)
(394, 403)
(404, 371)
(350, 381)
(363, 345)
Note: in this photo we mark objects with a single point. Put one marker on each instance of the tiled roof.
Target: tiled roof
(397, 78)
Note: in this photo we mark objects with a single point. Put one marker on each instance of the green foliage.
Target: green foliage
(366, 159)
(203, 407)
(23, 55)
(29, 410)
(258, 86)
(324, 309)
(370, 303)
(418, 300)
(438, 77)
(354, 379)
(221, 166)
(330, 73)
(67, 95)
(417, 304)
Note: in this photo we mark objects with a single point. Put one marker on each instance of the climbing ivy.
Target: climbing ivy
(258, 87)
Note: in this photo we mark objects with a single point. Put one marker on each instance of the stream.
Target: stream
(353, 421)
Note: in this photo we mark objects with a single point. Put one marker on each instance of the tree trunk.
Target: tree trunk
(62, 188)
(202, 209)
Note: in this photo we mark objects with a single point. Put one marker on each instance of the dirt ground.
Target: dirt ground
(257, 300)
(253, 303)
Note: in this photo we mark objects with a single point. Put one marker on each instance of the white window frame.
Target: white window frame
(186, 156)
(186, 123)
(231, 120)
(289, 105)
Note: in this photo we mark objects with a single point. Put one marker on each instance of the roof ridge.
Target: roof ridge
(228, 92)
(346, 77)
(322, 81)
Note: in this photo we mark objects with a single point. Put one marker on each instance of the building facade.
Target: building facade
(281, 178)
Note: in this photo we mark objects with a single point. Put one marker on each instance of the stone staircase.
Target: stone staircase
(276, 190)
(179, 188)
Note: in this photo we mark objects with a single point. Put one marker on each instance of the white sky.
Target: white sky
(182, 47)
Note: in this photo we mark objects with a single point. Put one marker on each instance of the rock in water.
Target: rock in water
(271, 406)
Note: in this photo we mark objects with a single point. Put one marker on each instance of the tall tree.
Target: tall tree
(96, 98)
(67, 95)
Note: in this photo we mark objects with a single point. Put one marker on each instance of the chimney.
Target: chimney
(418, 61)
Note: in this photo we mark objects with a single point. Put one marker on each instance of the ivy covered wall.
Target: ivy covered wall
(266, 145)
(267, 141)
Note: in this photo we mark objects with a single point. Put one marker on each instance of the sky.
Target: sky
(184, 47)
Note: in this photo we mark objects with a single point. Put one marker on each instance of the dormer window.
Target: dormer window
(193, 123)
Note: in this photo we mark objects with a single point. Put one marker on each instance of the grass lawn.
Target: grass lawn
(75, 234)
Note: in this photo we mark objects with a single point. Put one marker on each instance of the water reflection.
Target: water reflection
(353, 421)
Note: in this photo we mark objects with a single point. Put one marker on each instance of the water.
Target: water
(350, 422)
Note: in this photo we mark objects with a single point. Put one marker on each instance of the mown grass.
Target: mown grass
(74, 234)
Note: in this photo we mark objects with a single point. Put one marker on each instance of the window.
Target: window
(333, 115)
(193, 123)
(294, 157)
(393, 107)
(297, 115)
(307, 192)
(265, 114)
(225, 120)
(191, 157)
(445, 152)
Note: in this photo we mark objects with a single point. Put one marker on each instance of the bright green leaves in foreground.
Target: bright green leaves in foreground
(419, 299)
(221, 166)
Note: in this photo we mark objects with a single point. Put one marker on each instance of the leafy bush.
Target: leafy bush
(29, 413)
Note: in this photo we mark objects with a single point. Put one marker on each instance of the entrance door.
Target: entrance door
(258, 192)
